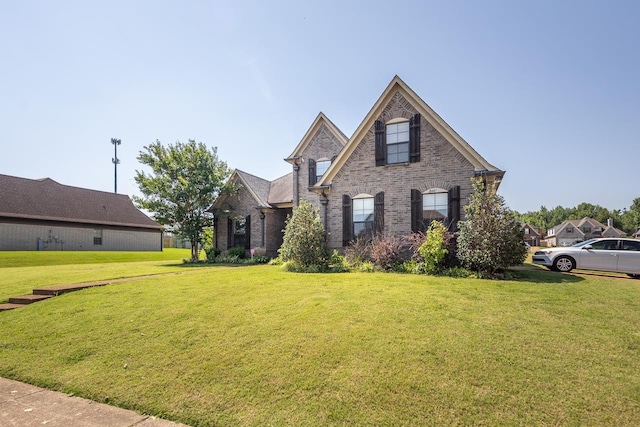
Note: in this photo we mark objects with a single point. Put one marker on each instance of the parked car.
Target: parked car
(617, 255)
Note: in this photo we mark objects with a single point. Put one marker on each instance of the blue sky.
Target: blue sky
(547, 90)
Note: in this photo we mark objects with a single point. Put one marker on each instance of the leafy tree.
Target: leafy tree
(305, 241)
(184, 181)
(491, 238)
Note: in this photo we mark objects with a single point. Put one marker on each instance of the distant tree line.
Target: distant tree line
(627, 220)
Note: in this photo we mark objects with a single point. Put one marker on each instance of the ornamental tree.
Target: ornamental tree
(491, 238)
(305, 241)
(184, 181)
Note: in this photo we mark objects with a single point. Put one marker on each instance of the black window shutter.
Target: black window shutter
(414, 139)
(247, 233)
(417, 222)
(347, 220)
(381, 148)
(312, 172)
(454, 208)
(378, 214)
(229, 232)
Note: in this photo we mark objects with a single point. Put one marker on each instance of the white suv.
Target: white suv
(618, 255)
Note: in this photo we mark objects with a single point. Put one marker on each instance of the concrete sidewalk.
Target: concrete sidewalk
(26, 405)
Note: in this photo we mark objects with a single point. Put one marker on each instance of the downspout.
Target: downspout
(324, 201)
(296, 192)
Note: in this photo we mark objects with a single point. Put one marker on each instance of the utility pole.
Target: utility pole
(115, 160)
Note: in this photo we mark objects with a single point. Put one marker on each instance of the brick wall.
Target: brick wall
(440, 166)
(323, 144)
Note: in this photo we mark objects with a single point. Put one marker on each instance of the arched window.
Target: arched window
(435, 205)
(363, 214)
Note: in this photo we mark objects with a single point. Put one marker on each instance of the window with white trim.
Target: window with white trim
(435, 205)
(363, 215)
(321, 167)
(397, 135)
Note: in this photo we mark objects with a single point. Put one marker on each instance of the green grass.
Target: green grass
(256, 346)
(33, 258)
(21, 272)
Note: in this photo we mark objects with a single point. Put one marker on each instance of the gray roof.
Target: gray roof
(281, 190)
(47, 200)
(259, 187)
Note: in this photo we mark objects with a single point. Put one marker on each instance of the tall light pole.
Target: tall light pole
(115, 160)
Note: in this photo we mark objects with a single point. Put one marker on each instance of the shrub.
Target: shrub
(414, 241)
(451, 245)
(305, 242)
(433, 249)
(358, 251)
(385, 251)
(338, 263)
(490, 238)
(237, 251)
(212, 253)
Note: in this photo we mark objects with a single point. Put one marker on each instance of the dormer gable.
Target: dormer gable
(381, 117)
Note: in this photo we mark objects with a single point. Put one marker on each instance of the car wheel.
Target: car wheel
(564, 264)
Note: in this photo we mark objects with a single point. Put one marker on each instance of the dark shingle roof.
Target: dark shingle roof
(281, 190)
(259, 186)
(47, 200)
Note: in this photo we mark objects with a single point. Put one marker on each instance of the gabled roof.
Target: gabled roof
(397, 85)
(265, 193)
(532, 228)
(47, 200)
(281, 190)
(320, 120)
(579, 223)
(257, 187)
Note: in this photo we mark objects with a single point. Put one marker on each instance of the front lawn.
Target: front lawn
(256, 346)
(21, 272)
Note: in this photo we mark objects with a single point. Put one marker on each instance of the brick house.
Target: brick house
(532, 235)
(45, 215)
(403, 167)
(578, 230)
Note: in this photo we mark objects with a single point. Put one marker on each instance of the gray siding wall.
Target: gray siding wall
(24, 237)
(440, 166)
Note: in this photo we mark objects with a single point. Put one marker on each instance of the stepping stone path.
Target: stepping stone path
(40, 294)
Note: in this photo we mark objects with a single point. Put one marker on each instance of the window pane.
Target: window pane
(435, 206)
(321, 168)
(362, 216)
(403, 127)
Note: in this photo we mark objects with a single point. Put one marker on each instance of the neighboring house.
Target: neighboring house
(532, 235)
(403, 167)
(578, 230)
(637, 233)
(45, 215)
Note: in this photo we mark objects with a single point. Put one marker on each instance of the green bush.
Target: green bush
(433, 249)
(490, 238)
(212, 253)
(338, 263)
(237, 251)
(305, 242)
